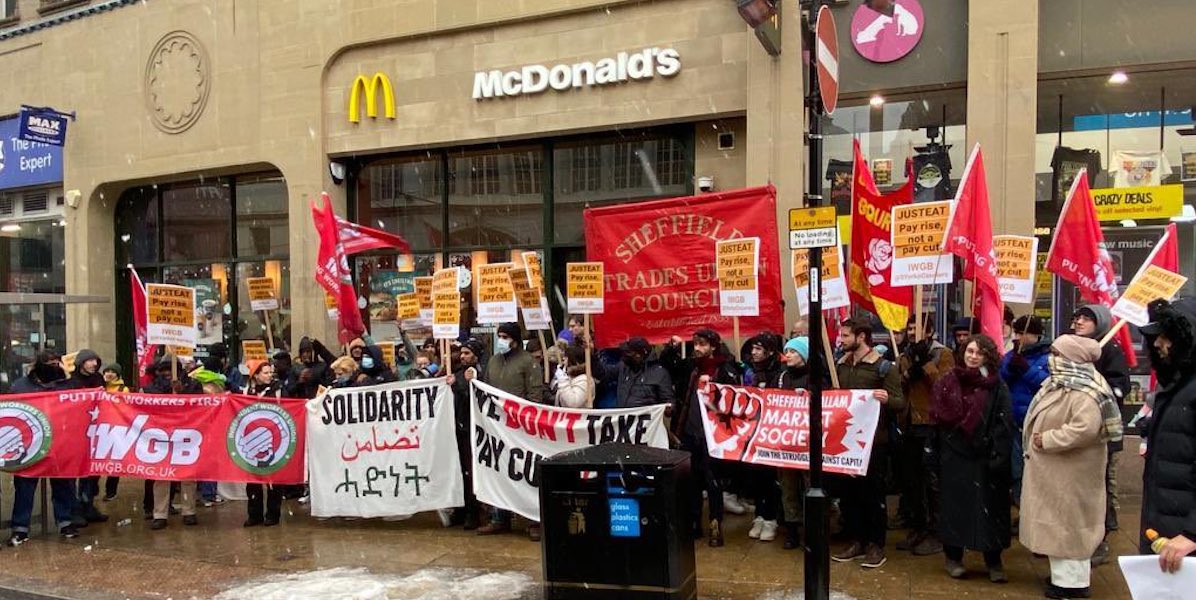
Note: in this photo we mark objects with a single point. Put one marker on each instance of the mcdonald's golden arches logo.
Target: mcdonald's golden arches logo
(369, 87)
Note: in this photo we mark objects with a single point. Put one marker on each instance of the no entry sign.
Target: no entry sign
(826, 43)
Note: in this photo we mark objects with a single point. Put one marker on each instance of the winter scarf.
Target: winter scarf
(1082, 377)
(961, 397)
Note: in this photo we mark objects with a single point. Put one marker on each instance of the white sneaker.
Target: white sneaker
(768, 532)
(757, 528)
(732, 504)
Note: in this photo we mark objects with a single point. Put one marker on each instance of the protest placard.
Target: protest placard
(1017, 261)
(532, 303)
(585, 287)
(833, 281)
(535, 271)
(384, 450)
(171, 315)
(1152, 283)
(423, 292)
(917, 238)
(496, 294)
(253, 350)
(511, 436)
(737, 264)
(772, 427)
(262, 295)
(446, 319)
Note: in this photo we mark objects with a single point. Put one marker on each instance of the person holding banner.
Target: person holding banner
(1024, 370)
(87, 376)
(515, 372)
(45, 375)
(314, 369)
(467, 367)
(922, 364)
(971, 412)
(712, 362)
(1168, 478)
(114, 383)
(574, 392)
(766, 368)
(344, 372)
(263, 385)
(639, 380)
(862, 499)
(1094, 321)
(1071, 421)
(795, 376)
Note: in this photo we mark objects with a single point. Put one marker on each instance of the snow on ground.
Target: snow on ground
(360, 584)
(798, 595)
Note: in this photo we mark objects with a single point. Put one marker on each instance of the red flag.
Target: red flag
(359, 238)
(1078, 255)
(970, 237)
(1164, 256)
(145, 352)
(868, 283)
(332, 272)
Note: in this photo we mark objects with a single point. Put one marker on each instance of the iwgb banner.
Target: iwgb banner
(772, 427)
(659, 263)
(224, 437)
(511, 436)
(383, 450)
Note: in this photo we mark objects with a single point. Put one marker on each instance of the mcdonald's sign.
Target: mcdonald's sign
(369, 88)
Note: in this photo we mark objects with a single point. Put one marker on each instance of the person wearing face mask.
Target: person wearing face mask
(45, 375)
(265, 501)
(515, 372)
(1168, 478)
(713, 362)
(1068, 427)
(971, 411)
(344, 372)
(639, 380)
(87, 376)
(466, 368)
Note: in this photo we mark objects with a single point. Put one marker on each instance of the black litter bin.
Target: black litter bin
(614, 524)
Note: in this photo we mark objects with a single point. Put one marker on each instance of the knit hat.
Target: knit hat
(638, 345)
(356, 343)
(114, 368)
(475, 346)
(204, 377)
(255, 365)
(512, 330)
(711, 336)
(800, 345)
(1028, 324)
(1101, 315)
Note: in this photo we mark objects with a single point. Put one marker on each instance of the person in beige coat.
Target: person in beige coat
(1066, 430)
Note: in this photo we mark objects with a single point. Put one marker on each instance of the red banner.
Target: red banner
(970, 237)
(659, 263)
(869, 283)
(172, 437)
(332, 271)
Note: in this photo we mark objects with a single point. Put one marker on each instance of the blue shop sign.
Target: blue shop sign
(24, 163)
(1133, 120)
(43, 125)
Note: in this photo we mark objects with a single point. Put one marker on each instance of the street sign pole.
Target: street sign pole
(817, 562)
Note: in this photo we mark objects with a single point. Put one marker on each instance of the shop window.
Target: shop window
(629, 165)
(137, 227)
(585, 168)
(404, 196)
(670, 162)
(213, 309)
(32, 257)
(488, 216)
(251, 325)
(262, 216)
(529, 171)
(483, 175)
(197, 221)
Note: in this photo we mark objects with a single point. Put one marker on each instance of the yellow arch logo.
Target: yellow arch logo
(369, 88)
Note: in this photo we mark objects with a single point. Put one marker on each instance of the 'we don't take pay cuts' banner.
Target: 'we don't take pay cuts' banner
(772, 427)
(383, 450)
(511, 436)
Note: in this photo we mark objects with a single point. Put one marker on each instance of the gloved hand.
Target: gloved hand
(920, 352)
(1018, 365)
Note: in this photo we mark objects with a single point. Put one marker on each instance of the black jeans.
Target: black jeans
(764, 490)
(992, 558)
(269, 496)
(919, 483)
(465, 455)
(110, 486)
(862, 501)
(702, 467)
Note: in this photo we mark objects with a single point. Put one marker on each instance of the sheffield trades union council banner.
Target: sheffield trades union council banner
(660, 269)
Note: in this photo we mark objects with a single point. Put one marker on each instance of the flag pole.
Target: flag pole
(1112, 332)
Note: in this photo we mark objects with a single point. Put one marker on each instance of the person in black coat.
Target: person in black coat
(466, 369)
(265, 501)
(1169, 478)
(87, 375)
(765, 367)
(45, 375)
(711, 360)
(972, 413)
(639, 380)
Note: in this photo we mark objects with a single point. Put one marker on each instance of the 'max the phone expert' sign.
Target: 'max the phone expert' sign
(534, 79)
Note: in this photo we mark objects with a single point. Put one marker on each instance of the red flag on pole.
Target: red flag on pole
(970, 237)
(145, 352)
(1078, 255)
(1165, 255)
(868, 283)
(359, 238)
(332, 271)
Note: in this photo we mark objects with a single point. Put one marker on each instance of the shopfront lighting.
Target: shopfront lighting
(1118, 78)
(1187, 216)
(10, 228)
(756, 12)
(876, 101)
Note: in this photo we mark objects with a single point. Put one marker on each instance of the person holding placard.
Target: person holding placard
(1168, 478)
(467, 367)
(515, 372)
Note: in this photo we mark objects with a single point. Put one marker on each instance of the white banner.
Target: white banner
(511, 436)
(383, 450)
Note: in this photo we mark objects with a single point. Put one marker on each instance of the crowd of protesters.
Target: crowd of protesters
(970, 434)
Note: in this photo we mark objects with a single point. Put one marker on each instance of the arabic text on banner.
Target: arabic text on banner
(772, 427)
(511, 436)
(383, 450)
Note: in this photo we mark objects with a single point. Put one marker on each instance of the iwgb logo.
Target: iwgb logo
(25, 436)
(262, 438)
(150, 445)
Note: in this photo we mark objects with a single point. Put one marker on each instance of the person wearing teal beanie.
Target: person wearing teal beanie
(800, 345)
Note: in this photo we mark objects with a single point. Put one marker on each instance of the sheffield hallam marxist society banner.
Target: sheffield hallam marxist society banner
(659, 263)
